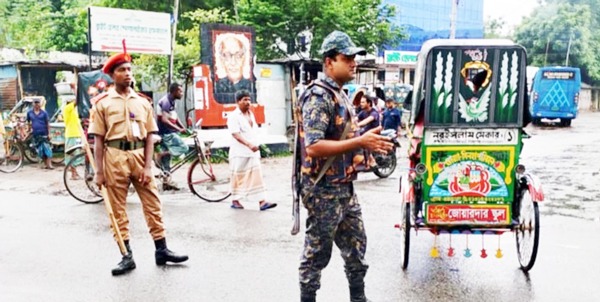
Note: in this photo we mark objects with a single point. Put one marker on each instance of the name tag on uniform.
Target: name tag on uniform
(135, 129)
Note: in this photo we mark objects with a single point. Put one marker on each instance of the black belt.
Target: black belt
(125, 145)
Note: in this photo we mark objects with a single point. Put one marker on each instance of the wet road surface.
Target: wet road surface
(54, 248)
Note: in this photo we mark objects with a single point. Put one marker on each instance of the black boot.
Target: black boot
(164, 255)
(308, 297)
(126, 264)
(357, 294)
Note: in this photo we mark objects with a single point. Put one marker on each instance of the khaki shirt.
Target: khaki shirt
(113, 116)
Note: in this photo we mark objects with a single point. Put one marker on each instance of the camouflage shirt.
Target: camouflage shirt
(321, 115)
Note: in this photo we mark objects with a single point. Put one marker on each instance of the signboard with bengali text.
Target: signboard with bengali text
(468, 214)
(394, 57)
(144, 32)
(473, 136)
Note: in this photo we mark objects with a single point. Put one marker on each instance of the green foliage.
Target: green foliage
(547, 33)
(276, 21)
(493, 28)
(265, 151)
(62, 25)
(153, 68)
(219, 156)
(24, 23)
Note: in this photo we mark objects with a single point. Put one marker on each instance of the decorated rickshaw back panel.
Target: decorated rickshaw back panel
(475, 86)
(474, 99)
(470, 175)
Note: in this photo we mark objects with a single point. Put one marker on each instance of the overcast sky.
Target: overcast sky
(510, 10)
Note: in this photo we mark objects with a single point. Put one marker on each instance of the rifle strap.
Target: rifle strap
(330, 159)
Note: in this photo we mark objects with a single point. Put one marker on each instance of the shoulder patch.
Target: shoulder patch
(98, 98)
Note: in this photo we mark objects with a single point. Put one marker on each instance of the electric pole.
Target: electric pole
(173, 35)
(453, 19)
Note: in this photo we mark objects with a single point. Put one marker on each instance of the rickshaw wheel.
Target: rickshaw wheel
(405, 231)
(528, 231)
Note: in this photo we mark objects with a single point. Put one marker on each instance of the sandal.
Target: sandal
(237, 206)
(267, 205)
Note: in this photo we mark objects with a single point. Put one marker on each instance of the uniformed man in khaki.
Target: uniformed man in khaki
(122, 122)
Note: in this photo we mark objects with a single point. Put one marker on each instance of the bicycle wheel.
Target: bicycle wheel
(14, 157)
(528, 231)
(405, 231)
(78, 177)
(208, 178)
(58, 154)
(30, 153)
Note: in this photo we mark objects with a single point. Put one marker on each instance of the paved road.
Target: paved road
(54, 248)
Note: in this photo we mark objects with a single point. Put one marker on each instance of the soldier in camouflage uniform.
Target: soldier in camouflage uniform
(334, 214)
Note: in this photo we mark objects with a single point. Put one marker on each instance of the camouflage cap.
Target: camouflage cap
(341, 42)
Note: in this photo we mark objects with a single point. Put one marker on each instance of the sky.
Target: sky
(511, 11)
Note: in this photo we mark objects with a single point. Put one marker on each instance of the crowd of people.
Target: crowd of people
(371, 116)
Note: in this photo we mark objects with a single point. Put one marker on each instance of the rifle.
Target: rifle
(297, 161)
(296, 187)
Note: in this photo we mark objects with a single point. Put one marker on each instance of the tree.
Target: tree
(280, 21)
(24, 23)
(493, 29)
(554, 30)
(153, 68)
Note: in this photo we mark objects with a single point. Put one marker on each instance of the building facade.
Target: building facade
(423, 20)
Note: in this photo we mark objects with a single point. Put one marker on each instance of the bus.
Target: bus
(555, 94)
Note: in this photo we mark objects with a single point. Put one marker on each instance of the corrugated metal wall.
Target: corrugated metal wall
(8, 93)
(8, 87)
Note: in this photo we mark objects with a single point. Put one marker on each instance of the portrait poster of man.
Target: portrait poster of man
(229, 49)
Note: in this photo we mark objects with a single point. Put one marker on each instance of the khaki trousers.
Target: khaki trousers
(121, 168)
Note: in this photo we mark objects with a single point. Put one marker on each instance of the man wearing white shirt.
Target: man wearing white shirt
(244, 155)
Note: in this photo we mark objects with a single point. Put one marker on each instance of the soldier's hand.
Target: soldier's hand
(254, 148)
(100, 180)
(371, 140)
(146, 176)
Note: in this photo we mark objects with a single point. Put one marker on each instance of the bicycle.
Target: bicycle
(25, 139)
(13, 152)
(83, 187)
(208, 175)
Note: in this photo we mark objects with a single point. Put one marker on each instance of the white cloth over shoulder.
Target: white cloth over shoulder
(237, 123)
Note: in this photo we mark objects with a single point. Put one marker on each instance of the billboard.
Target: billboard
(144, 32)
(229, 50)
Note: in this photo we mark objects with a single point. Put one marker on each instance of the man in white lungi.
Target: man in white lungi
(244, 155)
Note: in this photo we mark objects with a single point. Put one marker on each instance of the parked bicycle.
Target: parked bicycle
(23, 137)
(13, 150)
(208, 174)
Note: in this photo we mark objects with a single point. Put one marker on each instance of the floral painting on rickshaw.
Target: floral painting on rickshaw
(469, 179)
(470, 175)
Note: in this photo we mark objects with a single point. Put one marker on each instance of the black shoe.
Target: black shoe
(165, 255)
(126, 264)
(357, 294)
(308, 298)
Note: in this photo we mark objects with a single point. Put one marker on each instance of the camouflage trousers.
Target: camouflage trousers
(332, 218)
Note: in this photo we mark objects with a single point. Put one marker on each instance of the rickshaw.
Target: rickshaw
(469, 107)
